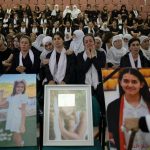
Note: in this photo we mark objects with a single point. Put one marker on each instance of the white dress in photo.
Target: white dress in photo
(13, 120)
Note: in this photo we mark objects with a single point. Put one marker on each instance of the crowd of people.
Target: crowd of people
(71, 47)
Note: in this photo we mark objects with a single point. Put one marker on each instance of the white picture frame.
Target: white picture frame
(68, 123)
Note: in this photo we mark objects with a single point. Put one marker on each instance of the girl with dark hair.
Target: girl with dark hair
(134, 101)
(16, 114)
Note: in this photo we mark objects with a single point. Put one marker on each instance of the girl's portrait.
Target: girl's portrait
(130, 98)
(17, 110)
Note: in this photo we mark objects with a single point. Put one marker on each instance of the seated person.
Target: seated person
(115, 53)
(135, 57)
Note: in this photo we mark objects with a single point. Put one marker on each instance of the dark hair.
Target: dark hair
(89, 34)
(133, 40)
(26, 37)
(15, 84)
(59, 34)
(144, 91)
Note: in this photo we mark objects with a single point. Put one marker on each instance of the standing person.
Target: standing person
(16, 114)
(134, 101)
(89, 63)
(135, 57)
(26, 61)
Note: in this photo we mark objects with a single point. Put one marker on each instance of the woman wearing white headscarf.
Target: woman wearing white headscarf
(126, 39)
(38, 43)
(67, 10)
(145, 46)
(77, 43)
(75, 12)
(116, 52)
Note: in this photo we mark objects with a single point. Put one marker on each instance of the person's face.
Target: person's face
(145, 44)
(134, 47)
(24, 44)
(16, 43)
(58, 41)
(89, 42)
(130, 84)
(68, 24)
(118, 44)
(48, 46)
(19, 88)
(97, 44)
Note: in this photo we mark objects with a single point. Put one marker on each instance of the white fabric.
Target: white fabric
(77, 43)
(91, 76)
(31, 55)
(34, 30)
(38, 42)
(68, 35)
(127, 36)
(14, 116)
(44, 54)
(142, 38)
(133, 63)
(148, 122)
(146, 53)
(56, 8)
(58, 71)
(54, 30)
(141, 140)
(115, 38)
(75, 12)
(67, 10)
(47, 39)
(89, 31)
(23, 30)
(114, 55)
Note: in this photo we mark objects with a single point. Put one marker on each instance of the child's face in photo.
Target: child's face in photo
(19, 88)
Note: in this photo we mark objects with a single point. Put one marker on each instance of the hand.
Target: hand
(6, 64)
(51, 82)
(21, 69)
(62, 82)
(88, 54)
(132, 124)
(45, 61)
(69, 52)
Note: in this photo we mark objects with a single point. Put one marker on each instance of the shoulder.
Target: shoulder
(114, 104)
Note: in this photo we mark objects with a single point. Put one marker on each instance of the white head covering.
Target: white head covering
(56, 8)
(127, 36)
(77, 43)
(47, 39)
(142, 38)
(75, 12)
(38, 42)
(67, 10)
(115, 38)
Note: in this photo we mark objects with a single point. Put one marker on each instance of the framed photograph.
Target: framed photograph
(18, 110)
(123, 105)
(68, 115)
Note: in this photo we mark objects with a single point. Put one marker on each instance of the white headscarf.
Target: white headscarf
(114, 55)
(75, 12)
(38, 42)
(142, 38)
(56, 8)
(77, 43)
(146, 53)
(44, 53)
(129, 37)
(31, 55)
(100, 48)
(67, 10)
(58, 71)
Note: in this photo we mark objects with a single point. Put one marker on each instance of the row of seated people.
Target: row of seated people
(117, 21)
